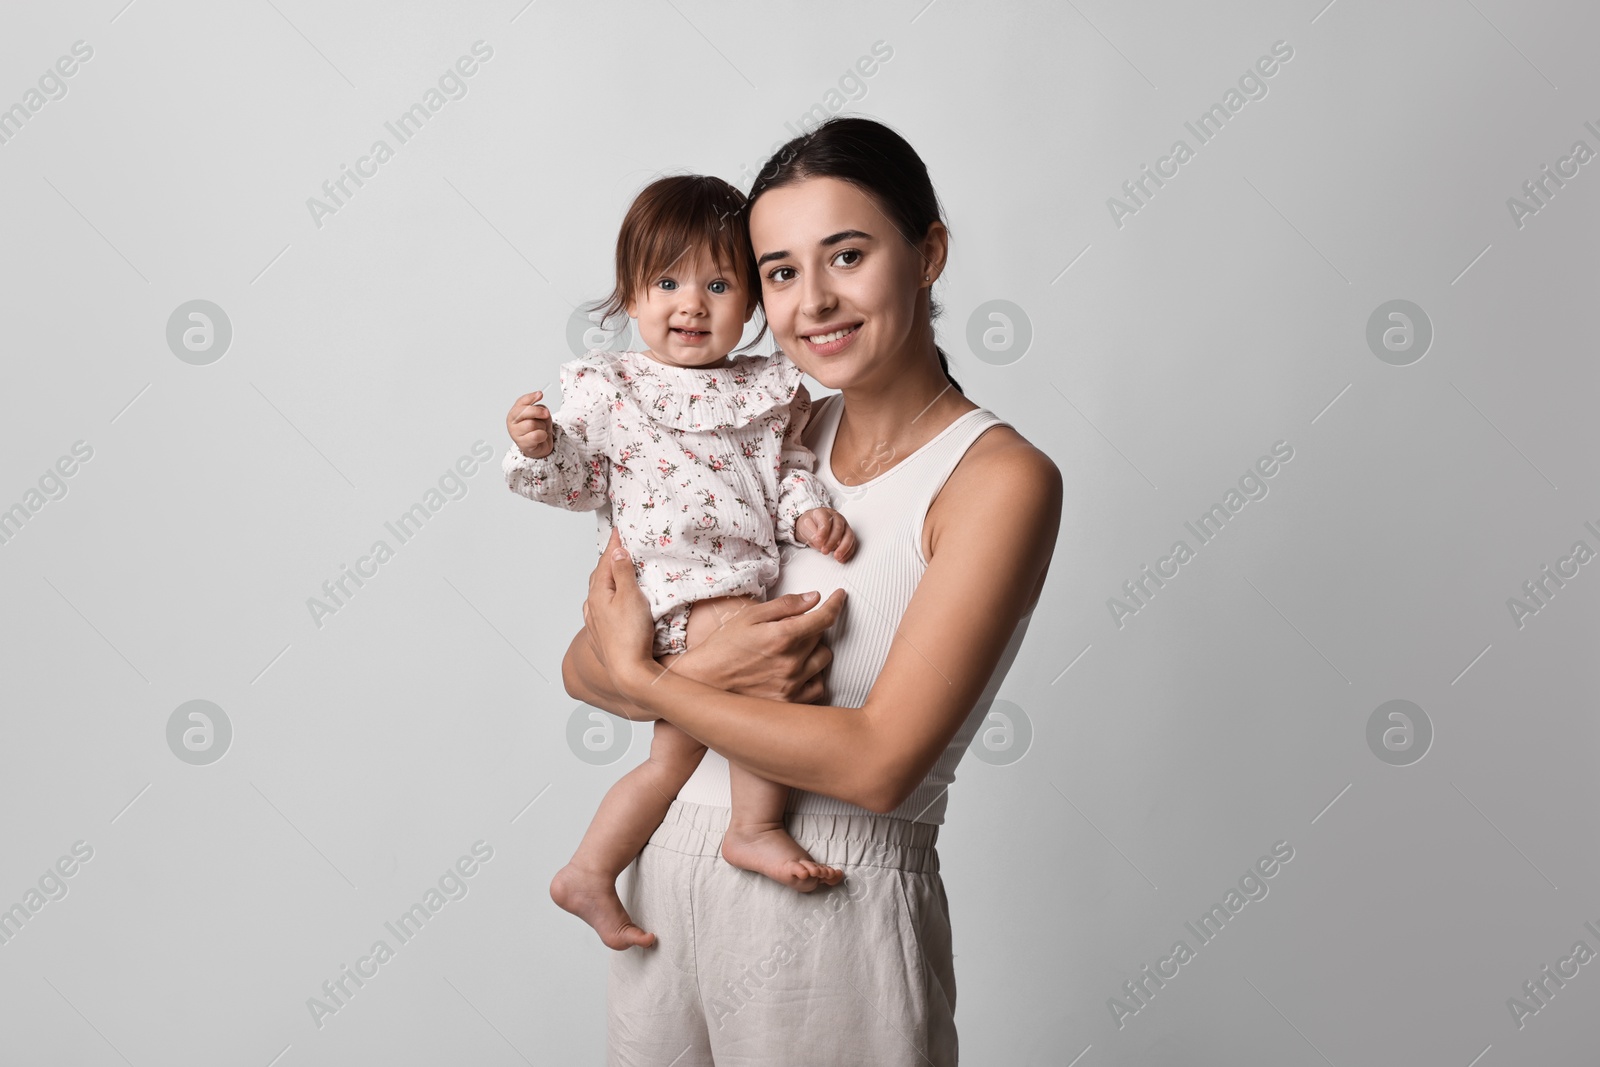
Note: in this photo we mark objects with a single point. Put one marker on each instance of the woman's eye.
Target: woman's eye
(719, 287)
(851, 252)
(780, 274)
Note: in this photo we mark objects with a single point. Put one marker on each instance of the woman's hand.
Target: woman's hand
(617, 615)
(771, 650)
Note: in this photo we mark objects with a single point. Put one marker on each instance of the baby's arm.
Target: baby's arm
(805, 518)
(799, 489)
(568, 466)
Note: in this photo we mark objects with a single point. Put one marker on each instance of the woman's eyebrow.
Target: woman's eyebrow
(826, 242)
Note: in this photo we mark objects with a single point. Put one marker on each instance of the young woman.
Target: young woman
(956, 517)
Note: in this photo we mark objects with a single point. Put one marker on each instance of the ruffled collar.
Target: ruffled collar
(709, 398)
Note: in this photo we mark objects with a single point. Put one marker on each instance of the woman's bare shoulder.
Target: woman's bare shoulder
(1001, 462)
(1005, 483)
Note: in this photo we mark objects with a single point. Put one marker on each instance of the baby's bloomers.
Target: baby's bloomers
(700, 469)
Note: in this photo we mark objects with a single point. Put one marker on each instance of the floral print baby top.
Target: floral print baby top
(701, 469)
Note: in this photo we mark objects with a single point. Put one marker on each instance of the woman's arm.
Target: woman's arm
(770, 650)
(999, 516)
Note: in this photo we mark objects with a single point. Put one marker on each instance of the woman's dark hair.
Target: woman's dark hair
(676, 215)
(875, 159)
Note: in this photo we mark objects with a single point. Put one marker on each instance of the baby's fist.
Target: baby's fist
(529, 425)
(825, 530)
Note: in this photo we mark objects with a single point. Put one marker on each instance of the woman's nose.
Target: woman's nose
(817, 298)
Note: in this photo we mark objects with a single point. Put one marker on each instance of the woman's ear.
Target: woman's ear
(935, 246)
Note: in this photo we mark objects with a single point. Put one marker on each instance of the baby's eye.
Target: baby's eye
(668, 284)
(780, 274)
(838, 259)
(719, 286)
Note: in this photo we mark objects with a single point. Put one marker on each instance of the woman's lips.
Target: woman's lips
(835, 346)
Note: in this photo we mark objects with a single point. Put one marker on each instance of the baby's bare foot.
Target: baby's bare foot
(592, 897)
(769, 850)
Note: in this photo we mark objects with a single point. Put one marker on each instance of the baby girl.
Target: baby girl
(694, 455)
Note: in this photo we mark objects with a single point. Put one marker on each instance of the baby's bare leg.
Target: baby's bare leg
(757, 839)
(629, 814)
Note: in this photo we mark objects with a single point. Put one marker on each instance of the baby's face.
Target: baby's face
(692, 314)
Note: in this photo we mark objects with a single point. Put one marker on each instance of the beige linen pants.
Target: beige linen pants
(746, 972)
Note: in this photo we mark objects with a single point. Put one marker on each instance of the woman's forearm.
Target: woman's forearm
(816, 747)
(586, 679)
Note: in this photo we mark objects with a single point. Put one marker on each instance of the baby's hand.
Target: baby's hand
(826, 531)
(529, 425)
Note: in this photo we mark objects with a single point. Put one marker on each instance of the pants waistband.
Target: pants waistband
(837, 840)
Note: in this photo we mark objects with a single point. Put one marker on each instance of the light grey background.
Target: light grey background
(1168, 354)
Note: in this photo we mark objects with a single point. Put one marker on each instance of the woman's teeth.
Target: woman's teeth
(825, 338)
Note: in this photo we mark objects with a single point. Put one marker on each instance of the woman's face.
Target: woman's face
(839, 284)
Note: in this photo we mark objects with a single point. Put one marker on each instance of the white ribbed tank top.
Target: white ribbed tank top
(886, 513)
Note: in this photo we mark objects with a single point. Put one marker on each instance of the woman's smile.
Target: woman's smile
(831, 340)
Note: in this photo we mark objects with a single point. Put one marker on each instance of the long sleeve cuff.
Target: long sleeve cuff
(799, 493)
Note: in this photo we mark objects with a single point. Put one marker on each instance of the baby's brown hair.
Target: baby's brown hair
(676, 216)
